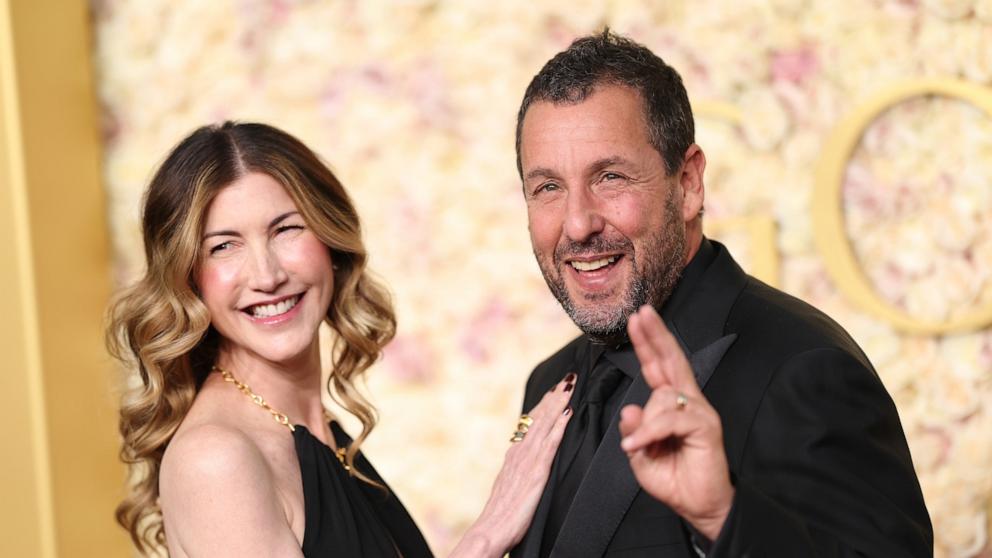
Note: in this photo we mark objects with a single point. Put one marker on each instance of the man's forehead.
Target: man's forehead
(610, 104)
(611, 117)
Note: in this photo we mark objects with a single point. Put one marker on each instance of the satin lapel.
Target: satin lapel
(530, 546)
(704, 361)
(609, 487)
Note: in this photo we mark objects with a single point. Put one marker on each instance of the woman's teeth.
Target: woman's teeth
(269, 310)
(593, 265)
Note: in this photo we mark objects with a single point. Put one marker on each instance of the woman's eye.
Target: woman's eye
(220, 247)
(284, 228)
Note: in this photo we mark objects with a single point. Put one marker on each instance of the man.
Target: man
(764, 431)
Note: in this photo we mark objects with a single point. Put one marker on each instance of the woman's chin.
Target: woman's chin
(283, 354)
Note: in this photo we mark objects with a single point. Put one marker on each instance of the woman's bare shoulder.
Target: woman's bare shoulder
(215, 475)
(211, 449)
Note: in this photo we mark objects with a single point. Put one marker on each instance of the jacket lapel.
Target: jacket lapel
(609, 486)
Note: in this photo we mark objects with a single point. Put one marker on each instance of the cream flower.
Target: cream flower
(983, 11)
(949, 9)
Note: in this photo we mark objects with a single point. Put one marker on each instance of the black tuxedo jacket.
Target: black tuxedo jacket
(816, 451)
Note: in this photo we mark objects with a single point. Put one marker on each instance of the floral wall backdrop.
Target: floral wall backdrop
(413, 104)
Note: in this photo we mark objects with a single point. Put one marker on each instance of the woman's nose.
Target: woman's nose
(267, 271)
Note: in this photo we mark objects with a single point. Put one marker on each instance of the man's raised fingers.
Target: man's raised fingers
(651, 361)
(671, 357)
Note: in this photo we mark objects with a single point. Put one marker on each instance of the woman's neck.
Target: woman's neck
(290, 387)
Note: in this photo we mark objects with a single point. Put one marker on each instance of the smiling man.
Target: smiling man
(751, 423)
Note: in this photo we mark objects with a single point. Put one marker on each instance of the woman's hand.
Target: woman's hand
(521, 481)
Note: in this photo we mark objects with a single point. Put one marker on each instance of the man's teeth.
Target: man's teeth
(593, 265)
(269, 310)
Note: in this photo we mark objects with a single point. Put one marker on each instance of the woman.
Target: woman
(251, 243)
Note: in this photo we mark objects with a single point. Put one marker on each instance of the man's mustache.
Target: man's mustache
(595, 245)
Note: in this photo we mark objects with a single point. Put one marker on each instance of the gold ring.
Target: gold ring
(681, 401)
(524, 423)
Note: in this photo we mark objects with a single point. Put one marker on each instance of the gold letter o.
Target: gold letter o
(828, 212)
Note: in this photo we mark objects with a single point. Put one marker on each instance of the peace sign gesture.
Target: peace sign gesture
(675, 443)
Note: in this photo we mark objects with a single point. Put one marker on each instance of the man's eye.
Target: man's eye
(546, 187)
(612, 176)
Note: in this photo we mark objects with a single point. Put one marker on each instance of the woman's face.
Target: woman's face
(265, 277)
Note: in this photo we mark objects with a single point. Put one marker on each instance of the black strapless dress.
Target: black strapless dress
(346, 517)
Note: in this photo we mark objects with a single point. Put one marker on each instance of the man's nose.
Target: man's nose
(583, 217)
(267, 270)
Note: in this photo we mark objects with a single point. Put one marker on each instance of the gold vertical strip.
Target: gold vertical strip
(29, 515)
(64, 238)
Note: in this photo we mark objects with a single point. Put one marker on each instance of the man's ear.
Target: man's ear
(691, 180)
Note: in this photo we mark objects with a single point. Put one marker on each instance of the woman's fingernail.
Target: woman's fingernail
(568, 387)
(568, 410)
(570, 377)
(552, 389)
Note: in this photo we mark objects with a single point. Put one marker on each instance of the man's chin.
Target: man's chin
(600, 323)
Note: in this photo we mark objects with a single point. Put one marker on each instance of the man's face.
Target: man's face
(606, 223)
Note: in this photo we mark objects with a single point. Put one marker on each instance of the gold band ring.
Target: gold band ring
(523, 425)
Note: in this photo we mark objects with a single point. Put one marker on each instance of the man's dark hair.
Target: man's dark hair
(610, 59)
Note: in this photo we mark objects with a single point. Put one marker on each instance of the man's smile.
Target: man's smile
(595, 273)
(593, 265)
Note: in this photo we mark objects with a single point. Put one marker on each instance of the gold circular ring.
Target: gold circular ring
(681, 401)
(518, 436)
(526, 420)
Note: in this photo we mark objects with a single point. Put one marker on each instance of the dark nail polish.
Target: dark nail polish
(568, 410)
(552, 389)
(568, 387)
(570, 377)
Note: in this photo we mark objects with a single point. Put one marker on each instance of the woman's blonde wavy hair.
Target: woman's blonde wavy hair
(160, 327)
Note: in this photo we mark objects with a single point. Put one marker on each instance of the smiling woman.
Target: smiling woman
(261, 276)
(251, 244)
(206, 299)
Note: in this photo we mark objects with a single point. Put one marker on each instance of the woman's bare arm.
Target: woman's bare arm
(219, 498)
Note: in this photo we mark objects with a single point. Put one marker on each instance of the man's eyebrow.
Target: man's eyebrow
(605, 162)
(540, 172)
(597, 166)
(272, 223)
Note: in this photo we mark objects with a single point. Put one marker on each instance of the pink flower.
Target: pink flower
(409, 359)
(796, 66)
(476, 337)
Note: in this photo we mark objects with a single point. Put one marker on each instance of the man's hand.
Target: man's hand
(675, 443)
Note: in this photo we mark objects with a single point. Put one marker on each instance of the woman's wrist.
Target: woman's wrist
(477, 542)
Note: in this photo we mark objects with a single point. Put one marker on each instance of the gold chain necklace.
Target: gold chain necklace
(279, 417)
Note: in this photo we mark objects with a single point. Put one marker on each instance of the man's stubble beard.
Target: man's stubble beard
(664, 258)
